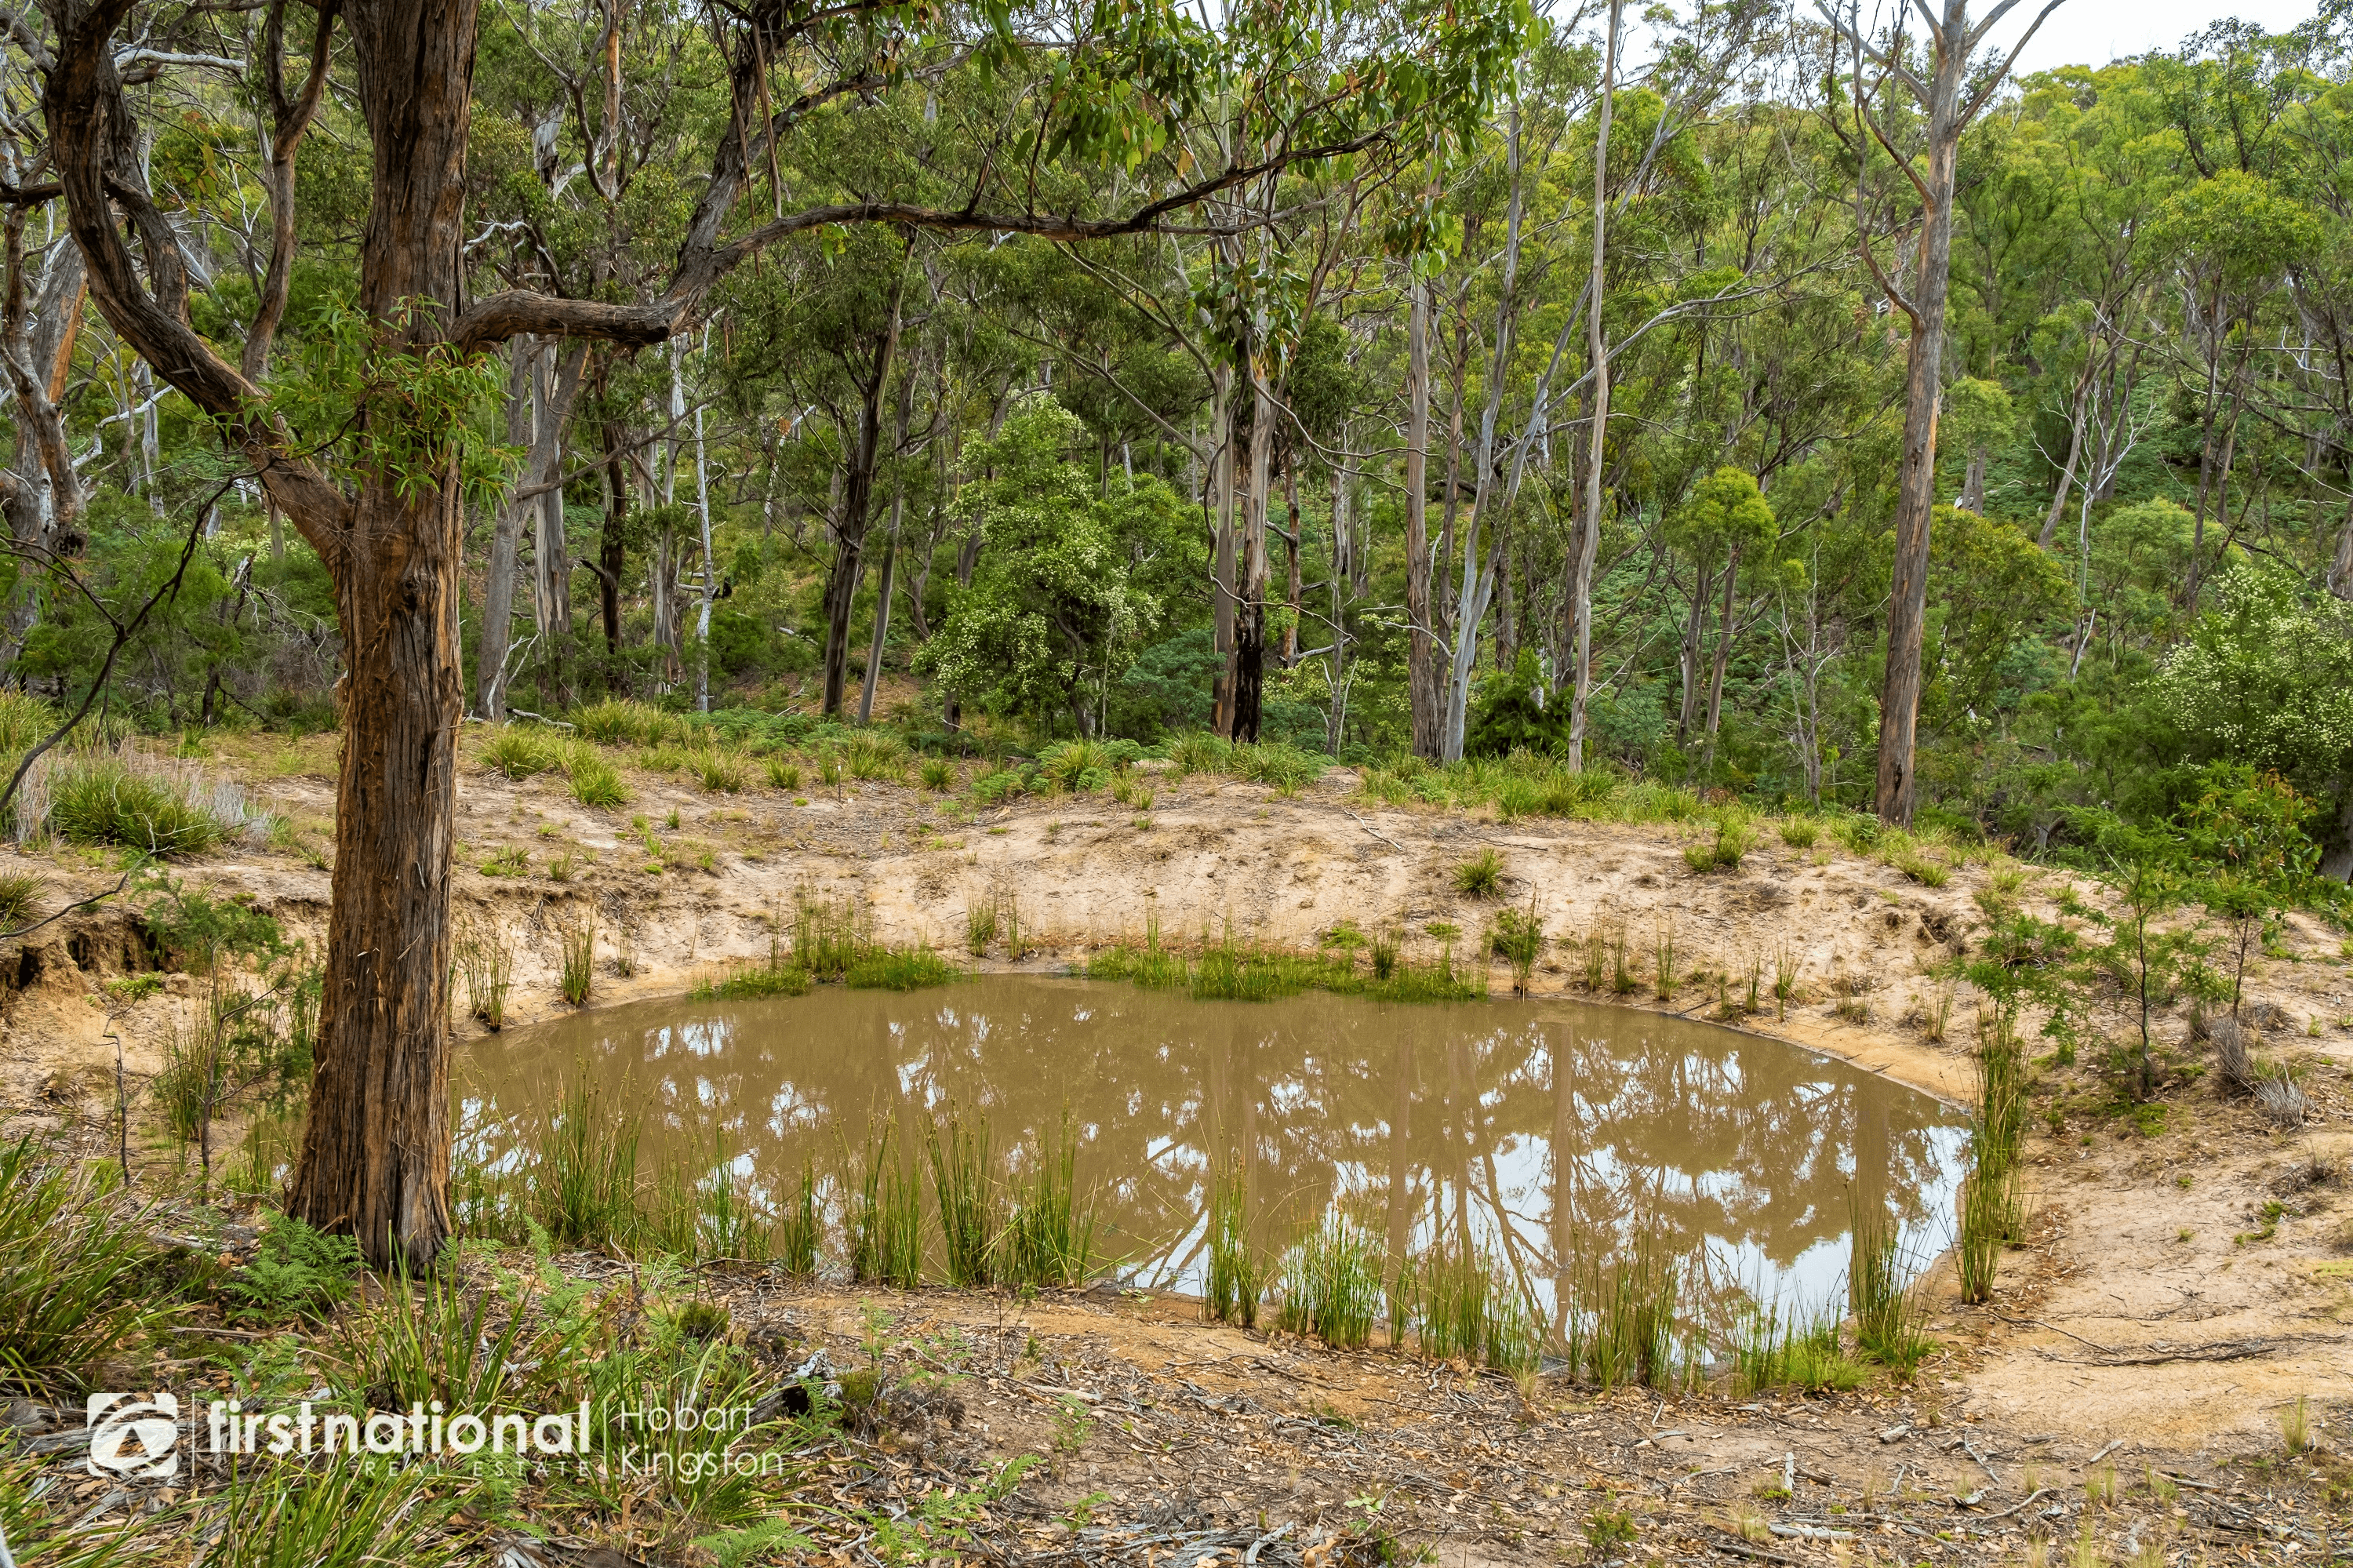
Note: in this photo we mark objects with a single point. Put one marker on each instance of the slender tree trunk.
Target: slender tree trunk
(1423, 691)
(1586, 544)
(2340, 568)
(1695, 630)
(1722, 659)
(1907, 600)
(1478, 579)
(1973, 481)
(44, 505)
(612, 539)
(1222, 465)
(709, 572)
(857, 508)
(2074, 455)
(1250, 623)
(1290, 551)
(506, 539)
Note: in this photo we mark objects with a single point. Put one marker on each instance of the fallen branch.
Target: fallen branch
(1368, 827)
(2219, 1351)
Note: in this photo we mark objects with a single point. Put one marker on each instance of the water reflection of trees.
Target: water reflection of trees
(1553, 1132)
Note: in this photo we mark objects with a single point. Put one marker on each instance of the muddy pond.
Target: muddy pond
(1551, 1130)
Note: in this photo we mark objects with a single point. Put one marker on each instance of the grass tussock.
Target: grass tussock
(520, 751)
(130, 798)
(594, 782)
(72, 1252)
(1523, 785)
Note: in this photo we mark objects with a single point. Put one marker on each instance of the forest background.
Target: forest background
(1316, 465)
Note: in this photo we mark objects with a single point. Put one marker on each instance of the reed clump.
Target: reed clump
(487, 961)
(800, 1232)
(1802, 1350)
(1048, 1240)
(886, 1217)
(1991, 1210)
(582, 1190)
(1888, 1315)
(1517, 937)
(1628, 1332)
(1463, 1305)
(971, 1212)
(580, 958)
(1332, 1283)
(1237, 1279)
(831, 942)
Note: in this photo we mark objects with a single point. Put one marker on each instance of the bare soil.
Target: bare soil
(2190, 1278)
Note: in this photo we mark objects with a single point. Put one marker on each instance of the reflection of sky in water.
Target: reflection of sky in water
(1553, 1127)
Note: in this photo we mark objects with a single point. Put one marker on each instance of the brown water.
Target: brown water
(1550, 1127)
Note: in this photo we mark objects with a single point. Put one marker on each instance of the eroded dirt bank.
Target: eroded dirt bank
(2188, 1282)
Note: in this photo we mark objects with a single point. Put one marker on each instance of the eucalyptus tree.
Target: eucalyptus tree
(1944, 92)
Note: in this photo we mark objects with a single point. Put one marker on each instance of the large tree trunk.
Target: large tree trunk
(1422, 689)
(374, 1150)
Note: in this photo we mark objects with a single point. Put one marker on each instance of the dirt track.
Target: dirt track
(2160, 1305)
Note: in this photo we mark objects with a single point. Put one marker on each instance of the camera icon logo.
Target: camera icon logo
(134, 1436)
